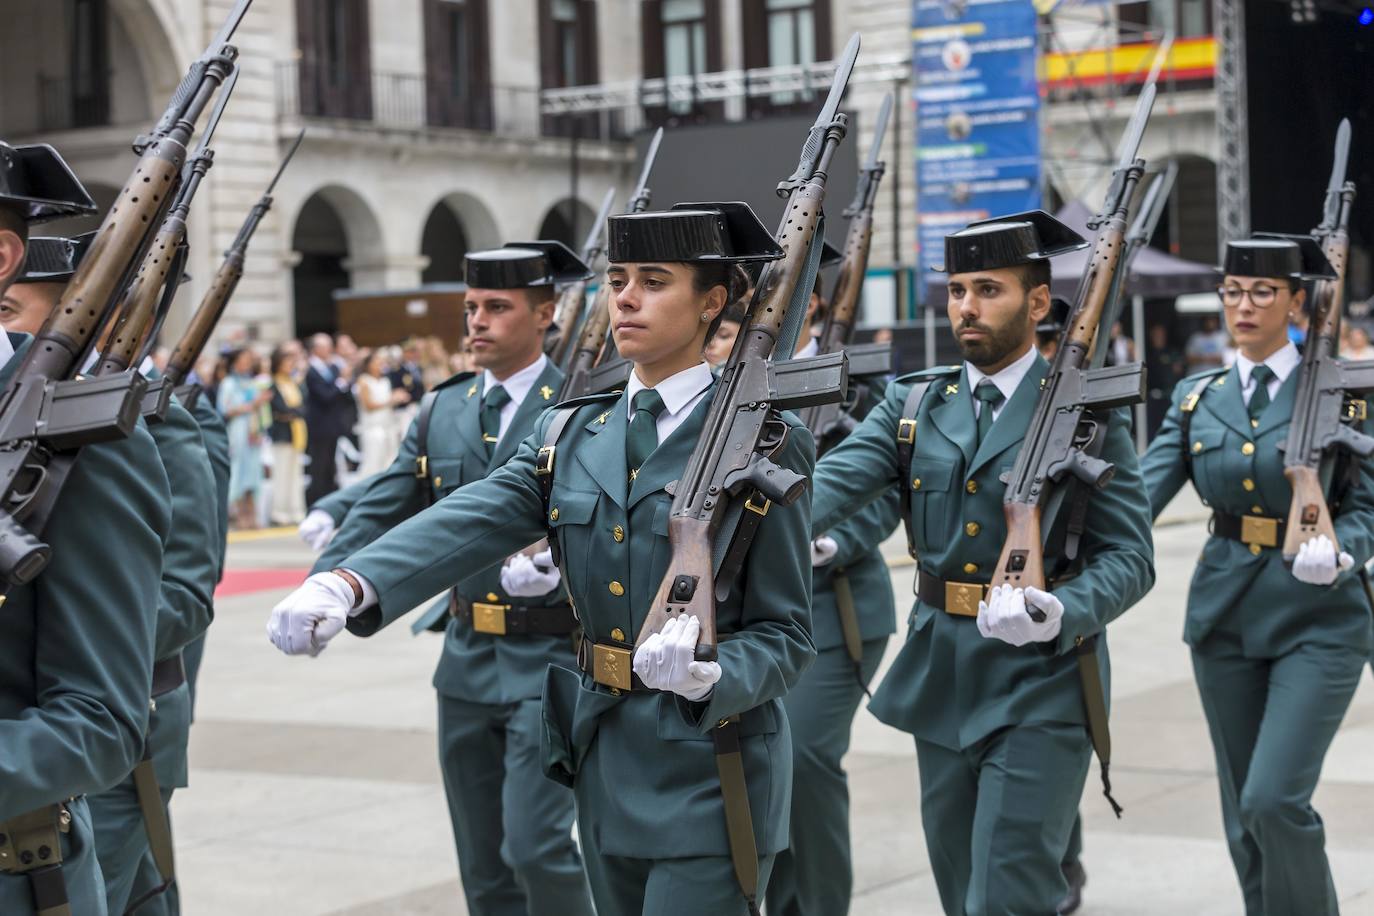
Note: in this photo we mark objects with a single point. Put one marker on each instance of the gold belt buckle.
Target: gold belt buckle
(1261, 531)
(489, 618)
(611, 666)
(962, 598)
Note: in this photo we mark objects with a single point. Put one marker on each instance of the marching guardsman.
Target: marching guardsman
(1277, 651)
(852, 616)
(632, 731)
(77, 665)
(992, 696)
(505, 625)
(124, 836)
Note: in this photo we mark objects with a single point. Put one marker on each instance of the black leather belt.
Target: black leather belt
(609, 665)
(1255, 530)
(958, 598)
(514, 619)
(168, 675)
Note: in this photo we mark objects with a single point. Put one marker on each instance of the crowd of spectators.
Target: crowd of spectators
(307, 417)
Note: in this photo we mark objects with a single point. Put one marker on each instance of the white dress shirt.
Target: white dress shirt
(680, 394)
(812, 348)
(1006, 379)
(1283, 362)
(517, 386)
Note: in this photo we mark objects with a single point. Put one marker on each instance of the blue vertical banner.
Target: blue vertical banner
(977, 107)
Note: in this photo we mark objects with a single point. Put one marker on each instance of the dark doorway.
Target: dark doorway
(322, 243)
(445, 242)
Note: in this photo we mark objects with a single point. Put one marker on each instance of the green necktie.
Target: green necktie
(642, 437)
(991, 396)
(492, 402)
(1259, 398)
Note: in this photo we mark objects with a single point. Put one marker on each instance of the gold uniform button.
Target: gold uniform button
(972, 529)
(1248, 448)
(1254, 424)
(553, 514)
(971, 486)
(1257, 510)
(1248, 484)
(438, 481)
(616, 588)
(916, 484)
(615, 691)
(618, 634)
(1255, 549)
(970, 567)
(618, 533)
(493, 597)
(1197, 447)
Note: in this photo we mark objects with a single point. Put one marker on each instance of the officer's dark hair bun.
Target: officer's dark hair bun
(711, 274)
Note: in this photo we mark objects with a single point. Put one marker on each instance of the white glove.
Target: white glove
(530, 577)
(308, 618)
(823, 550)
(317, 530)
(1317, 563)
(667, 661)
(1005, 615)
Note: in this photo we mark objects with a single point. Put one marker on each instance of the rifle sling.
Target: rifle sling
(422, 419)
(849, 625)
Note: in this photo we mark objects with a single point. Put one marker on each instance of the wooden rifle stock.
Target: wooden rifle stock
(591, 340)
(207, 316)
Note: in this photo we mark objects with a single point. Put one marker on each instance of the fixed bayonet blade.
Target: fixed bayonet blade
(231, 25)
(879, 129)
(1339, 164)
(649, 156)
(213, 122)
(838, 84)
(1135, 130)
(285, 162)
(590, 243)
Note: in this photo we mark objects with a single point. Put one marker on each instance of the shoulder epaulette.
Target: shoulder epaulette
(587, 399)
(454, 380)
(932, 372)
(1205, 373)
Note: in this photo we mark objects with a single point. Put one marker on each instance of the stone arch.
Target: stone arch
(335, 235)
(456, 224)
(567, 221)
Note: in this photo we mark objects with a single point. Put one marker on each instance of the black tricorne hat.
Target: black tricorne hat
(39, 184)
(52, 259)
(1008, 241)
(517, 265)
(721, 231)
(1273, 254)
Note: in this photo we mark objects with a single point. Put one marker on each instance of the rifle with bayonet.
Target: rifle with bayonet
(202, 324)
(46, 413)
(567, 314)
(579, 376)
(730, 470)
(1065, 431)
(829, 423)
(155, 284)
(1326, 409)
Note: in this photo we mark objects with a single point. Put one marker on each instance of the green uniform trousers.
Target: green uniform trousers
(690, 886)
(997, 817)
(1272, 720)
(814, 876)
(512, 826)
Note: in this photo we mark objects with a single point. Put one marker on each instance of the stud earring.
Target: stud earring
(705, 317)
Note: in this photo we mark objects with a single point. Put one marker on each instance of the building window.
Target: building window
(784, 33)
(681, 39)
(568, 57)
(335, 58)
(88, 95)
(457, 72)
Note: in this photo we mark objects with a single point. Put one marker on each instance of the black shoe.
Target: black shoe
(1077, 877)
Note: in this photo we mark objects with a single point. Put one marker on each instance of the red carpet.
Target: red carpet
(247, 581)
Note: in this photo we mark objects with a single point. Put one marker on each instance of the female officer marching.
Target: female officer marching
(637, 750)
(1277, 653)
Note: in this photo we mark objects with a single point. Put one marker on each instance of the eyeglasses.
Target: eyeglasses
(1262, 295)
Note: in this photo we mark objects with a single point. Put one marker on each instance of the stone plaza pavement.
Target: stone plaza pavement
(315, 788)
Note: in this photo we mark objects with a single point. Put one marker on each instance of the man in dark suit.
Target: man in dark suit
(328, 398)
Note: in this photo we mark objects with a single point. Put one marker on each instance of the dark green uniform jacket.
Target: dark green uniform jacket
(477, 667)
(870, 580)
(77, 653)
(338, 503)
(1238, 469)
(642, 764)
(949, 685)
